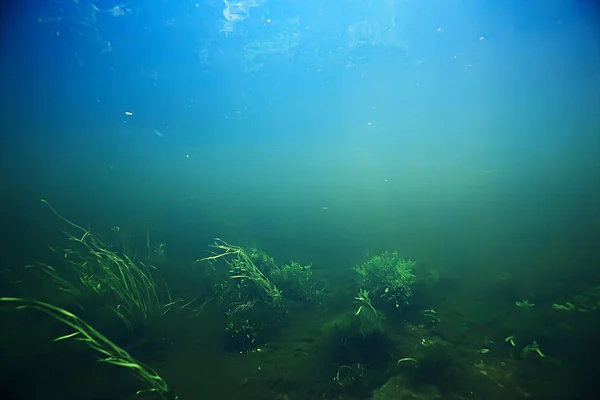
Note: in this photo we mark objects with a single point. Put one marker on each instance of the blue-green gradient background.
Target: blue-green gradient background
(464, 134)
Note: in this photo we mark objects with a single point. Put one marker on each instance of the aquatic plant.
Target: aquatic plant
(109, 352)
(369, 319)
(431, 315)
(128, 282)
(159, 250)
(293, 278)
(349, 374)
(511, 340)
(524, 304)
(388, 278)
(243, 335)
(534, 347)
(586, 302)
(243, 269)
(296, 281)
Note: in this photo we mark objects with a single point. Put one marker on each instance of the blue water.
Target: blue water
(422, 124)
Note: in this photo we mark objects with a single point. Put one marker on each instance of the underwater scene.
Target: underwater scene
(300, 199)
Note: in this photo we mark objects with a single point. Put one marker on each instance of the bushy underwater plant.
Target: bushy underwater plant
(257, 278)
(254, 291)
(247, 283)
(294, 279)
(388, 278)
